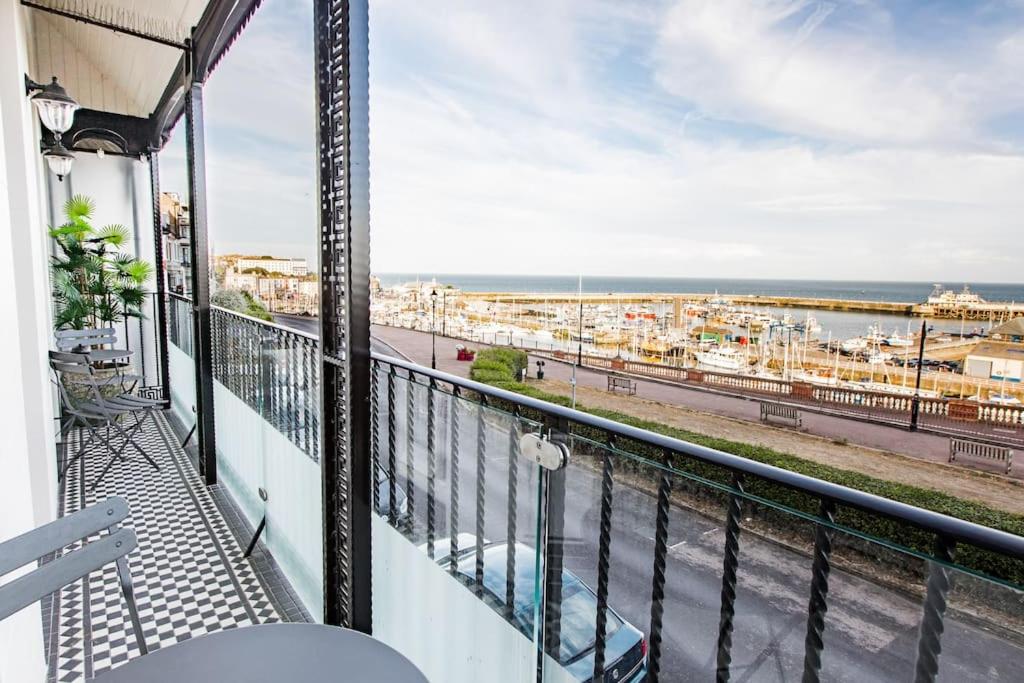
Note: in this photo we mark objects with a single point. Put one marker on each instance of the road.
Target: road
(871, 631)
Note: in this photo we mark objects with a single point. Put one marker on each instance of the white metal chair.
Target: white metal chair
(49, 577)
(96, 414)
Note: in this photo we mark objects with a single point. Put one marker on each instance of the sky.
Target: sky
(691, 138)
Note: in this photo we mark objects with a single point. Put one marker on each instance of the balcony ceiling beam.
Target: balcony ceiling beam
(221, 24)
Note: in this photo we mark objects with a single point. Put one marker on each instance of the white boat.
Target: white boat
(879, 357)
(813, 378)
(874, 335)
(886, 388)
(896, 339)
(1004, 399)
(721, 357)
(854, 345)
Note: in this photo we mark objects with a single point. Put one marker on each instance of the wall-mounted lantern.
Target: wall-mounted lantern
(57, 112)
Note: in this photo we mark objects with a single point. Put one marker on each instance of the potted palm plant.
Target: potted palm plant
(94, 283)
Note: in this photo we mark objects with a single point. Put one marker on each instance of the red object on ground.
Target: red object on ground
(465, 354)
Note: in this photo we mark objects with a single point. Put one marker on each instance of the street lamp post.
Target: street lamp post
(433, 329)
(915, 403)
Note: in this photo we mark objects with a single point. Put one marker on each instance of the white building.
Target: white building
(294, 267)
(996, 360)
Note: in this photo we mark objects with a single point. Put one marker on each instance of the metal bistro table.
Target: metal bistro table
(272, 652)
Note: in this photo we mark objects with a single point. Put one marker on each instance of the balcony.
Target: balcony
(483, 534)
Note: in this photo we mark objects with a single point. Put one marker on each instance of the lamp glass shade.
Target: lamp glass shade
(59, 159)
(56, 109)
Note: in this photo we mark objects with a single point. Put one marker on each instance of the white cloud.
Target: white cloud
(781, 64)
(447, 198)
(546, 137)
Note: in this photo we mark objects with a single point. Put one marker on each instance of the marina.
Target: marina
(878, 350)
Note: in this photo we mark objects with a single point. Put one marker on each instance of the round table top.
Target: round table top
(271, 652)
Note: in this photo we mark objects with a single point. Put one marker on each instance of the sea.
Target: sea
(837, 324)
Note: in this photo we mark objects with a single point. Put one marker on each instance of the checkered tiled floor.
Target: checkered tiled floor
(188, 571)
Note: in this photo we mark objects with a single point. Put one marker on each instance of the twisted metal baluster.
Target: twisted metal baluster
(307, 354)
(453, 558)
(658, 588)
(510, 537)
(410, 447)
(481, 501)
(730, 564)
(392, 451)
(293, 387)
(814, 641)
(603, 554)
(431, 470)
(929, 644)
(374, 432)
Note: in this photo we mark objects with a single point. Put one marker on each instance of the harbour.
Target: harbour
(852, 343)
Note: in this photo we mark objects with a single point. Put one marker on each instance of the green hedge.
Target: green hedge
(886, 529)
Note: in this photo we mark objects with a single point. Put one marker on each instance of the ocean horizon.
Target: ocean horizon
(890, 291)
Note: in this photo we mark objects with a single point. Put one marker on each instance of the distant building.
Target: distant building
(1012, 330)
(279, 293)
(176, 227)
(294, 267)
(996, 360)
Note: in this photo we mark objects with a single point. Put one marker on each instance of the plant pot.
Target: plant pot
(79, 389)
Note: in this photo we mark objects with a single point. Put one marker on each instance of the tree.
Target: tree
(242, 302)
(93, 282)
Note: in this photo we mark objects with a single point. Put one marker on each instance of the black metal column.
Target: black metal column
(200, 249)
(342, 79)
(160, 324)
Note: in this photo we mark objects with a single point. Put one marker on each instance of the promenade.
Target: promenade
(877, 450)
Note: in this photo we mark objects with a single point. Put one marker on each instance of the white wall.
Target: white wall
(182, 373)
(120, 188)
(27, 455)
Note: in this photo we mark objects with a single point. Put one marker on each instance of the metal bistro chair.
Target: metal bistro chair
(99, 345)
(45, 579)
(98, 414)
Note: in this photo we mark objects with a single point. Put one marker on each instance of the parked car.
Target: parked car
(384, 497)
(625, 647)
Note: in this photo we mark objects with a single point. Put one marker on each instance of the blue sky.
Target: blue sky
(782, 138)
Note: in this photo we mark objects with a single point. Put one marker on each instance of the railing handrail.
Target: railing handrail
(283, 328)
(179, 297)
(935, 522)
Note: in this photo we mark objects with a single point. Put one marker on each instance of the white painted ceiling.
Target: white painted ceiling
(105, 70)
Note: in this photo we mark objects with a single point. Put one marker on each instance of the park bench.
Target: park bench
(623, 383)
(780, 411)
(980, 450)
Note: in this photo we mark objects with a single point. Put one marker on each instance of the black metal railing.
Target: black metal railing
(273, 369)
(179, 322)
(684, 545)
(652, 522)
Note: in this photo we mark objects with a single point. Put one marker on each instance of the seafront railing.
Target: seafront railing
(1004, 423)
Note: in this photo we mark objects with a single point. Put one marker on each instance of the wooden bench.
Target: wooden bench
(781, 412)
(980, 450)
(623, 383)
